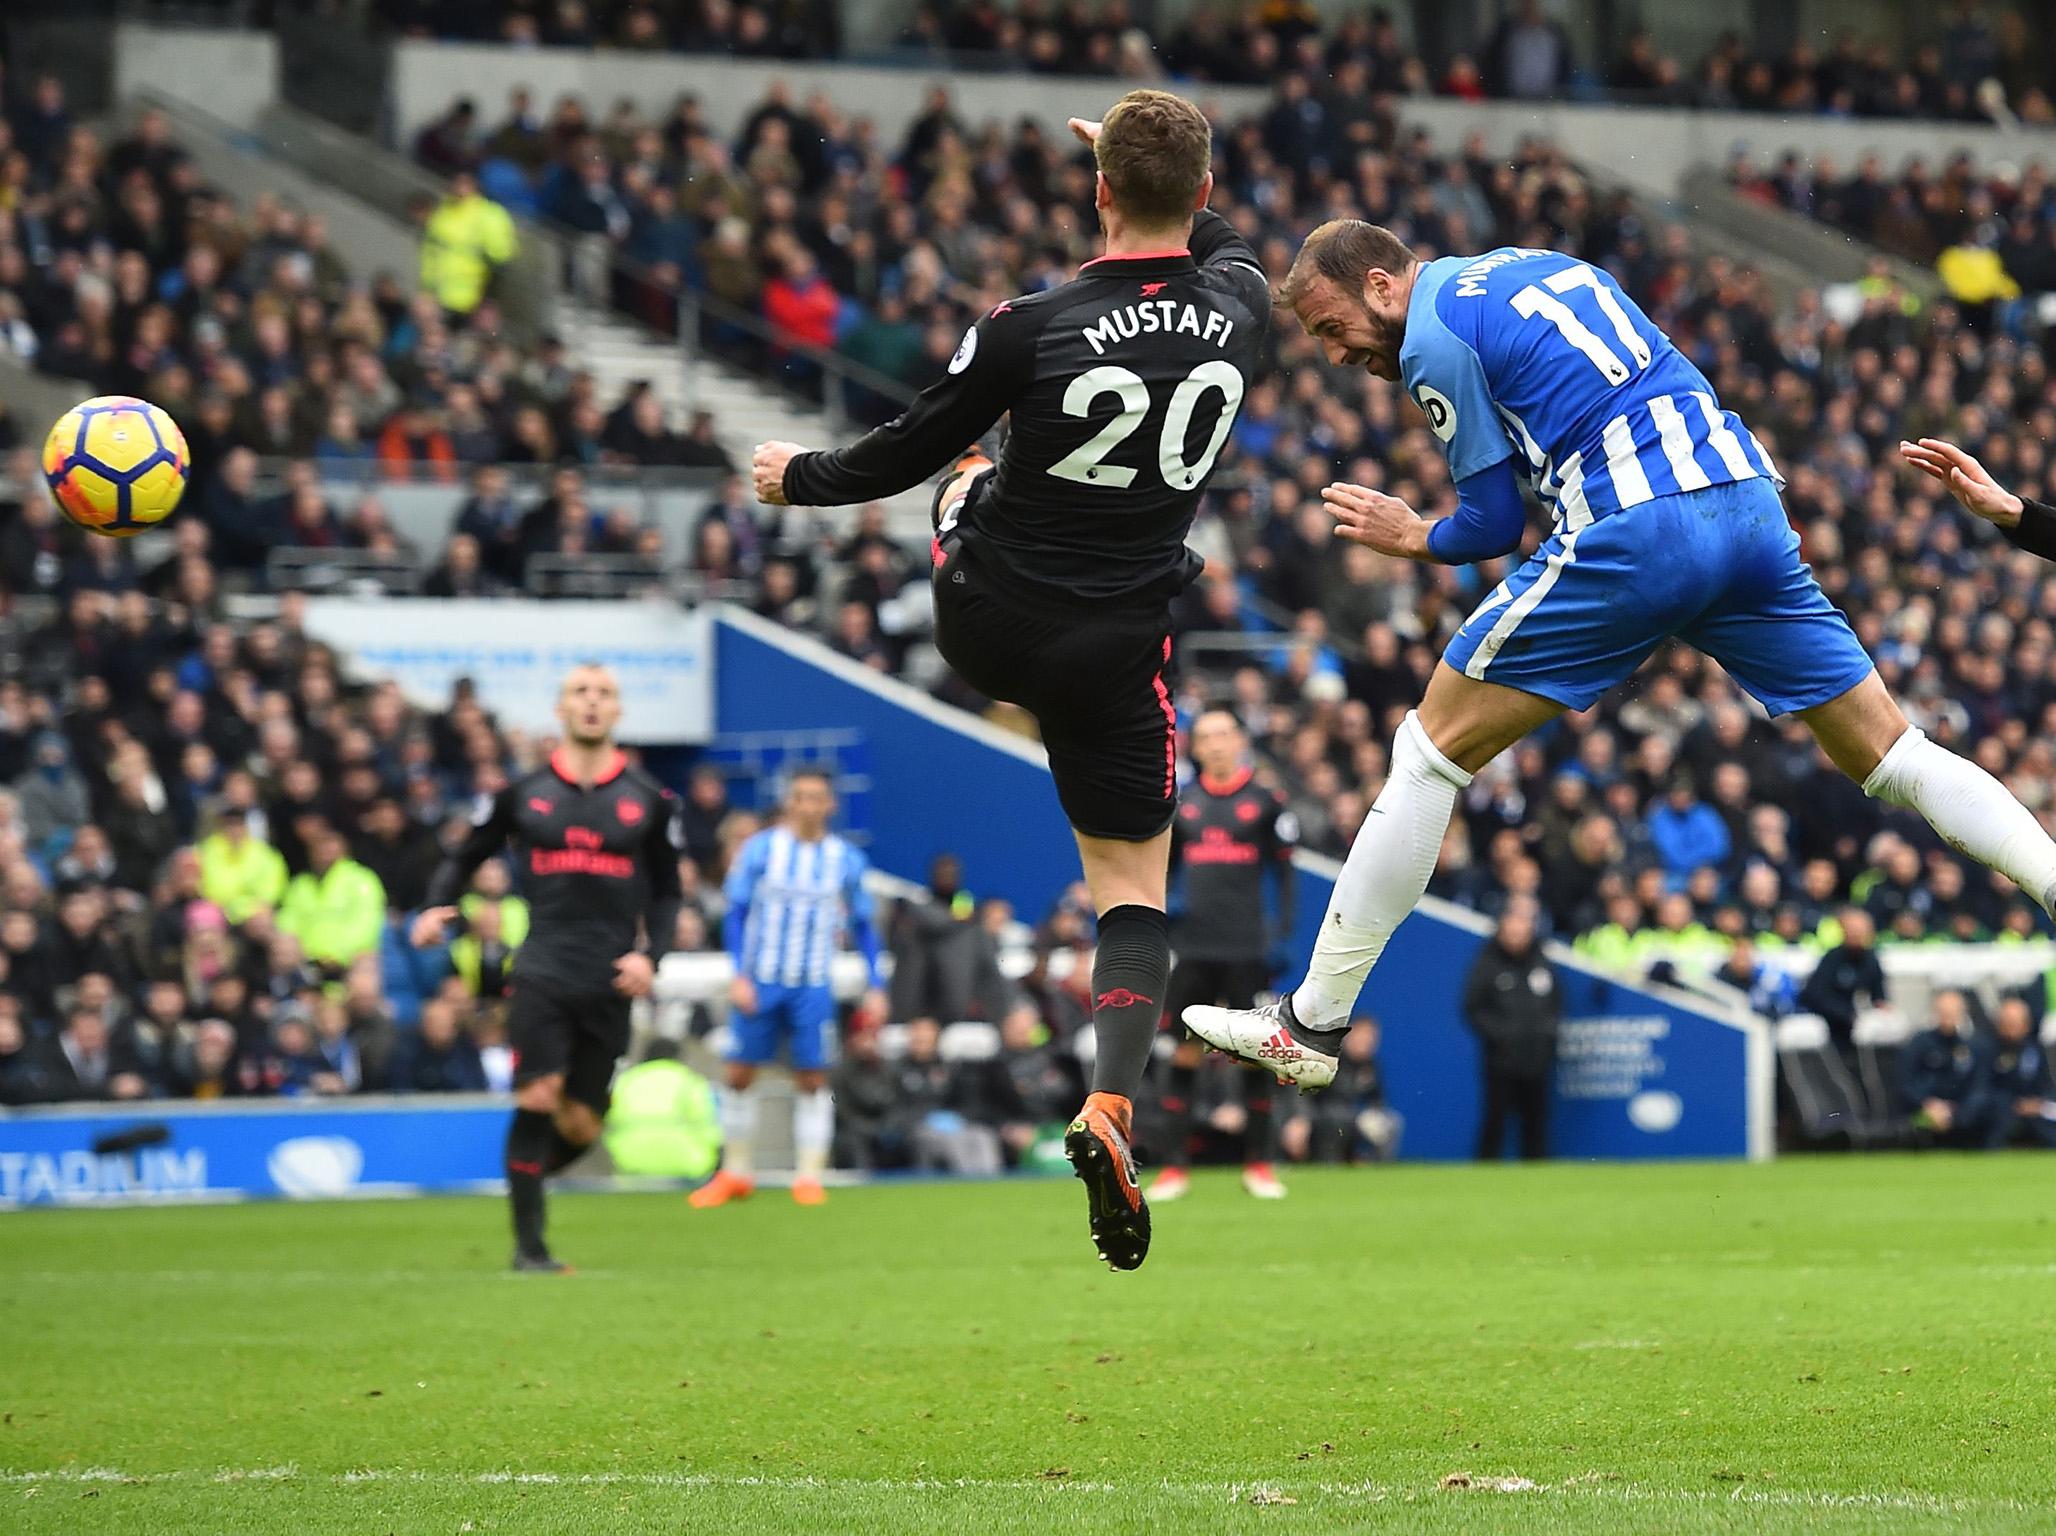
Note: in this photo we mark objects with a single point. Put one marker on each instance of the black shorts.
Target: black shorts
(1094, 678)
(1218, 983)
(580, 1036)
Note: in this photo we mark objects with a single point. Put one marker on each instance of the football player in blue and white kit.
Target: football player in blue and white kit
(794, 891)
(1536, 369)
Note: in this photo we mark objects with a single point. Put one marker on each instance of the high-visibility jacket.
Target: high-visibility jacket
(663, 1122)
(466, 240)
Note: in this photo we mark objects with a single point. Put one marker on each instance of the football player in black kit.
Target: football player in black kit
(1055, 568)
(597, 845)
(1231, 836)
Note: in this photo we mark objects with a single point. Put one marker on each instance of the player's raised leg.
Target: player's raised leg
(1462, 724)
(1868, 738)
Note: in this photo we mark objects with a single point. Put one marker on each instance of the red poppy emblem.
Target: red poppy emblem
(1248, 810)
(630, 811)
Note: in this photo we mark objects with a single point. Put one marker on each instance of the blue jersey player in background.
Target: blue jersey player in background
(794, 891)
(1537, 373)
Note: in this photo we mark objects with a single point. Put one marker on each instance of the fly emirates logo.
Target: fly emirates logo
(1170, 317)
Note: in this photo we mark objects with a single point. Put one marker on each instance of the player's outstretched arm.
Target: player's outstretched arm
(990, 367)
(1965, 479)
(1377, 521)
(2028, 525)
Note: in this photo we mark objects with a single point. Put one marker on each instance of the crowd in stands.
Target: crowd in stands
(1989, 233)
(1977, 63)
(120, 267)
(1672, 825)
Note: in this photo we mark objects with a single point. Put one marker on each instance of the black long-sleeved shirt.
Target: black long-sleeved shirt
(2036, 530)
(596, 861)
(1123, 385)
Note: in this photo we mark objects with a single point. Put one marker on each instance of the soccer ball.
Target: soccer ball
(116, 465)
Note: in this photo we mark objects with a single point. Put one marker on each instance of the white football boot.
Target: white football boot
(1271, 1038)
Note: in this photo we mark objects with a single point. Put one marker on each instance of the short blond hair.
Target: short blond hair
(1344, 251)
(1156, 151)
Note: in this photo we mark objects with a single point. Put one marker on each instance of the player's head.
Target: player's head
(1218, 743)
(1156, 163)
(809, 801)
(1349, 288)
(589, 705)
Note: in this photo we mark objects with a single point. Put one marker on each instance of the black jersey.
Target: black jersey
(594, 865)
(1124, 385)
(1223, 839)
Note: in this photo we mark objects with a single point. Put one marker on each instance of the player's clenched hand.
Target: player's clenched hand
(1966, 479)
(1087, 130)
(767, 468)
(742, 994)
(1380, 522)
(633, 973)
(429, 925)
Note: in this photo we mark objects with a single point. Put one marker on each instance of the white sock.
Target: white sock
(1972, 810)
(1386, 873)
(738, 1128)
(813, 1128)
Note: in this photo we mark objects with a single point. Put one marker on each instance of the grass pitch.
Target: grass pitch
(1820, 1346)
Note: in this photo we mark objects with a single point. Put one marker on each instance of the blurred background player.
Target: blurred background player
(1054, 569)
(795, 890)
(599, 846)
(1230, 835)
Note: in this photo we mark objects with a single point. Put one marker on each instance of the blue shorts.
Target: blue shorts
(1718, 568)
(800, 1018)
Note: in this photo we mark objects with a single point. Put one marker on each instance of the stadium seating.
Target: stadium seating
(1317, 645)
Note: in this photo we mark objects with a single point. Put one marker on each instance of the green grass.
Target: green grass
(1819, 1346)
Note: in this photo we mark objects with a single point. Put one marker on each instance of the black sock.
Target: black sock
(1256, 1104)
(528, 1156)
(563, 1150)
(1128, 975)
(1177, 1107)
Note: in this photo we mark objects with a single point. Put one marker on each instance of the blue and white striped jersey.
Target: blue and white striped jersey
(1534, 354)
(798, 899)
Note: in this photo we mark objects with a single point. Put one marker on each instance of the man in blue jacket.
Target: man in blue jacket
(1688, 833)
(1936, 1071)
(2011, 1096)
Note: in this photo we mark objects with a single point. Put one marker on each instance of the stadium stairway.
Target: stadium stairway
(359, 183)
(746, 410)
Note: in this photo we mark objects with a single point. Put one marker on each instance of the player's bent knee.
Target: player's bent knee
(1471, 722)
(809, 1082)
(579, 1122)
(741, 1075)
(545, 1095)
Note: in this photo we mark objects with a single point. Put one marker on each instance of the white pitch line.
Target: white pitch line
(1575, 1488)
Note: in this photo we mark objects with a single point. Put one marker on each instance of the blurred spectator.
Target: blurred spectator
(1938, 1072)
(2011, 1088)
(873, 1118)
(436, 1056)
(336, 908)
(933, 1095)
(945, 964)
(662, 1122)
(1349, 1120)
(466, 240)
(1513, 1003)
(1846, 973)
(240, 872)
